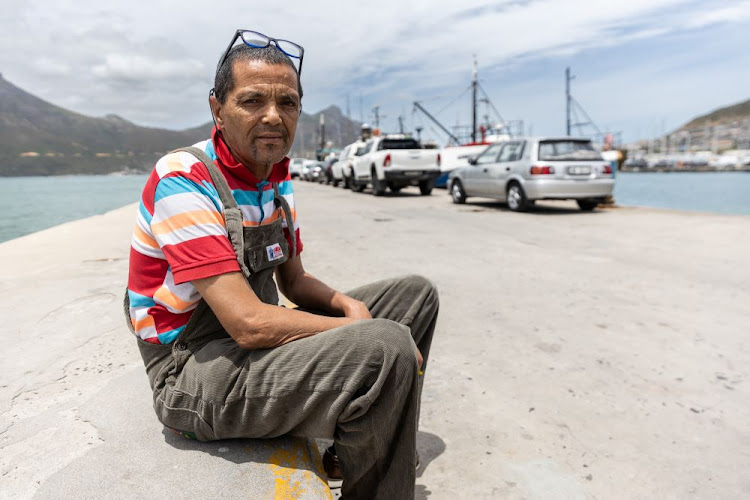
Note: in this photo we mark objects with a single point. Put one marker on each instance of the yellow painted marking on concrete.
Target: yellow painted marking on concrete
(292, 479)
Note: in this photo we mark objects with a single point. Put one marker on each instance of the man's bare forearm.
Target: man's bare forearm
(309, 292)
(272, 326)
(253, 324)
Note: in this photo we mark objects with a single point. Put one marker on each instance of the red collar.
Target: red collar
(233, 166)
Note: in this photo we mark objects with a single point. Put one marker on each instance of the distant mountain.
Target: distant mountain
(723, 116)
(720, 130)
(39, 138)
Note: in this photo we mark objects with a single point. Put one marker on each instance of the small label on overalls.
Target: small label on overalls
(274, 252)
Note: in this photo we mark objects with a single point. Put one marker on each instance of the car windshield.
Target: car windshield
(398, 144)
(567, 150)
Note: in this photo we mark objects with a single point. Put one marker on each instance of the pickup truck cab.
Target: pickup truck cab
(394, 161)
(342, 169)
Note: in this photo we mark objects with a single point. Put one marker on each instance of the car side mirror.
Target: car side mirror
(473, 160)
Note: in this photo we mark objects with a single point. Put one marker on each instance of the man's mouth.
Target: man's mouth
(271, 137)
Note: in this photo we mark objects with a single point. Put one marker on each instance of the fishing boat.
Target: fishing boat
(461, 147)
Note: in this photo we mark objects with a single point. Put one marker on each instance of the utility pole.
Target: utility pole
(322, 131)
(568, 78)
(401, 124)
(474, 82)
(376, 110)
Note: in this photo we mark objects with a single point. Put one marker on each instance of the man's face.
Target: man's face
(259, 117)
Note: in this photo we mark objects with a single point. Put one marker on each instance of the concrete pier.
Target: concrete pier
(577, 355)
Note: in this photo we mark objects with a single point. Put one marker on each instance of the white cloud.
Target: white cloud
(127, 59)
(46, 66)
(140, 67)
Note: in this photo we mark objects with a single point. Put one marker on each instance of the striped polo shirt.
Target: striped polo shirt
(180, 234)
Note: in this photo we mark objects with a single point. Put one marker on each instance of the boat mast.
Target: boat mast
(474, 82)
(568, 78)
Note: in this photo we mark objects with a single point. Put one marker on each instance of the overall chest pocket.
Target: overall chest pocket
(266, 247)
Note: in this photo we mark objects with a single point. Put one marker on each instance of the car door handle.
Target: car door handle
(507, 169)
(484, 170)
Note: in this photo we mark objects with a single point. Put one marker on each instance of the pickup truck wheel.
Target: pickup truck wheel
(394, 188)
(378, 186)
(458, 195)
(356, 186)
(516, 198)
(425, 187)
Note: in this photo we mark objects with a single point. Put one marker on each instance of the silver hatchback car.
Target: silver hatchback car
(525, 169)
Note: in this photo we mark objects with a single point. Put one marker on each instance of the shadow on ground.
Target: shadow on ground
(285, 451)
(537, 209)
(429, 447)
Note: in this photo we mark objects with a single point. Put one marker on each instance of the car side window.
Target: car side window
(511, 152)
(362, 149)
(489, 155)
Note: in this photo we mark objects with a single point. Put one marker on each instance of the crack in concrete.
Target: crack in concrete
(25, 389)
(73, 301)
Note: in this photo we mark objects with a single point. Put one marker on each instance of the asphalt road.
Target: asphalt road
(577, 355)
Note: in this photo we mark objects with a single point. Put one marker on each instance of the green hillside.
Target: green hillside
(39, 138)
(722, 116)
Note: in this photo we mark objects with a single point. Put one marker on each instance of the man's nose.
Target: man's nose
(271, 116)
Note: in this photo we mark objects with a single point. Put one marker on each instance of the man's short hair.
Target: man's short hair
(224, 80)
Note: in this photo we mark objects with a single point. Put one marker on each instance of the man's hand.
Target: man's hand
(420, 359)
(354, 309)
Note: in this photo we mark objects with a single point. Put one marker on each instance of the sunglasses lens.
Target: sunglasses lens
(290, 49)
(255, 39)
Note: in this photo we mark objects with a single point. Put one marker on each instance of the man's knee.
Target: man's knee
(392, 338)
(418, 285)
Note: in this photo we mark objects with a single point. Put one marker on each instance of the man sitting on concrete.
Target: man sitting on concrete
(224, 360)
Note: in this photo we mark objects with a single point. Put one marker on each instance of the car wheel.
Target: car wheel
(356, 186)
(458, 195)
(394, 188)
(516, 198)
(425, 187)
(378, 186)
(587, 205)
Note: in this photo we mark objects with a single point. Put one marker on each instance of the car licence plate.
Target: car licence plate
(413, 172)
(579, 170)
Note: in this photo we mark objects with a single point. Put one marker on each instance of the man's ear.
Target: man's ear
(215, 110)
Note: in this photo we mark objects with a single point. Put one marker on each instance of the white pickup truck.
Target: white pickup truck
(394, 161)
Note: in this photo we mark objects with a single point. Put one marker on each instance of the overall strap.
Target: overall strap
(232, 213)
(288, 216)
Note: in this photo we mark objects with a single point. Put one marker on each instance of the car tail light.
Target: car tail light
(607, 169)
(387, 161)
(438, 159)
(542, 170)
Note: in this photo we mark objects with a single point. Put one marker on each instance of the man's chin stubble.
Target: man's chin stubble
(268, 157)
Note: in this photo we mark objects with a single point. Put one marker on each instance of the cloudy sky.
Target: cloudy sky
(641, 66)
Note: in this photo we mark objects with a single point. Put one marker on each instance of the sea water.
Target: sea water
(716, 192)
(30, 204)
